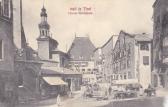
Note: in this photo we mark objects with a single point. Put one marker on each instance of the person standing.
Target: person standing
(109, 90)
(141, 91)
(58, 100)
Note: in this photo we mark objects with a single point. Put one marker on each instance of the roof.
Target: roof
(107, 41)
(81, 47)
(57, 70)
(97, 48)
(56, 50)
(139, 37)
(31, 54)
(54, 81)
(142, 37)
(155, 3)
(49, 72)
(43, 12)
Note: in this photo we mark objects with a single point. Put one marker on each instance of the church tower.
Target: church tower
(44, 26)
(43, 39)
(45, 43)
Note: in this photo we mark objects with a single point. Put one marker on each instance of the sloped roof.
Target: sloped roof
(142, 37)
(31, 54)
(57, 70)
(81, 47)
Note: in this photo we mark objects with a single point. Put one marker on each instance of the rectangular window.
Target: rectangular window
(50, 56)
(144, 46)
(6, 8)
(1, 50)
(128, 62)
(116, 77)
(146, 60)
(0, 7)
(130, 75)
(125, 76)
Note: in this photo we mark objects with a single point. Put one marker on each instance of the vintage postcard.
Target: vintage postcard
(83, 53)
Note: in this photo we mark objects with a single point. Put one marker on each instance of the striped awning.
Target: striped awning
(54, 81)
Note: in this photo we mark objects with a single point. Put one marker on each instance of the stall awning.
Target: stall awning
(54, 81)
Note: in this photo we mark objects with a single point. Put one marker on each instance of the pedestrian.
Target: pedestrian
(141, 91)
(109, 90)
(70, 93)
(58, 100)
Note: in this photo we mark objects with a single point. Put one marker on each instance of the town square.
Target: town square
(83, 53)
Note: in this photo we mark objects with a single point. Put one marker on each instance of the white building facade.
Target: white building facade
(132, 59)
(81, 59)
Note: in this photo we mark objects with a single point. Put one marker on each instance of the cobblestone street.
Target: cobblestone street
(79, 101)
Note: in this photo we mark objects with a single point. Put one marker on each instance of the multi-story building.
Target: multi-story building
(131, 59)
(6, 49)
(26, 61)
(98, 64)
(18, 65)
(160, 43)
(81, 58)
(107, 58)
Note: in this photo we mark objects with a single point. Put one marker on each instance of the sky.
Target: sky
(105, 18)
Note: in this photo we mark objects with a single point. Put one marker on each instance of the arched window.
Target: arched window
(43, 32)
(46, 32)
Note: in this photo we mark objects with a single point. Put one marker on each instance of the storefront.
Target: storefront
(73, 79)
(52, 86)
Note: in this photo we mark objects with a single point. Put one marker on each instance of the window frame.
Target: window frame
(3, 9)
(147, 60)
(2, 58)
(144, 46)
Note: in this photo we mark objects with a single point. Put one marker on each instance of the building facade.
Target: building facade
(18, 62)
(81, 58)
(26, 61)
(131, 59)
(55, 63)
(7, 75)
(107, 57)
(160, 46)
(52, 56)
(98, 64)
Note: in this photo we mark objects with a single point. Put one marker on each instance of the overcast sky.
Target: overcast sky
(108, 18)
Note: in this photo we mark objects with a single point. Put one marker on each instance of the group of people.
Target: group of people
(90, 89)
(127, 92)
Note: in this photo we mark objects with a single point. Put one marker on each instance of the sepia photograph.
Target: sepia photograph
(83, 53)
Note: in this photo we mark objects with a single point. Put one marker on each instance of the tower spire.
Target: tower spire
(44, 26)
(43, 3)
